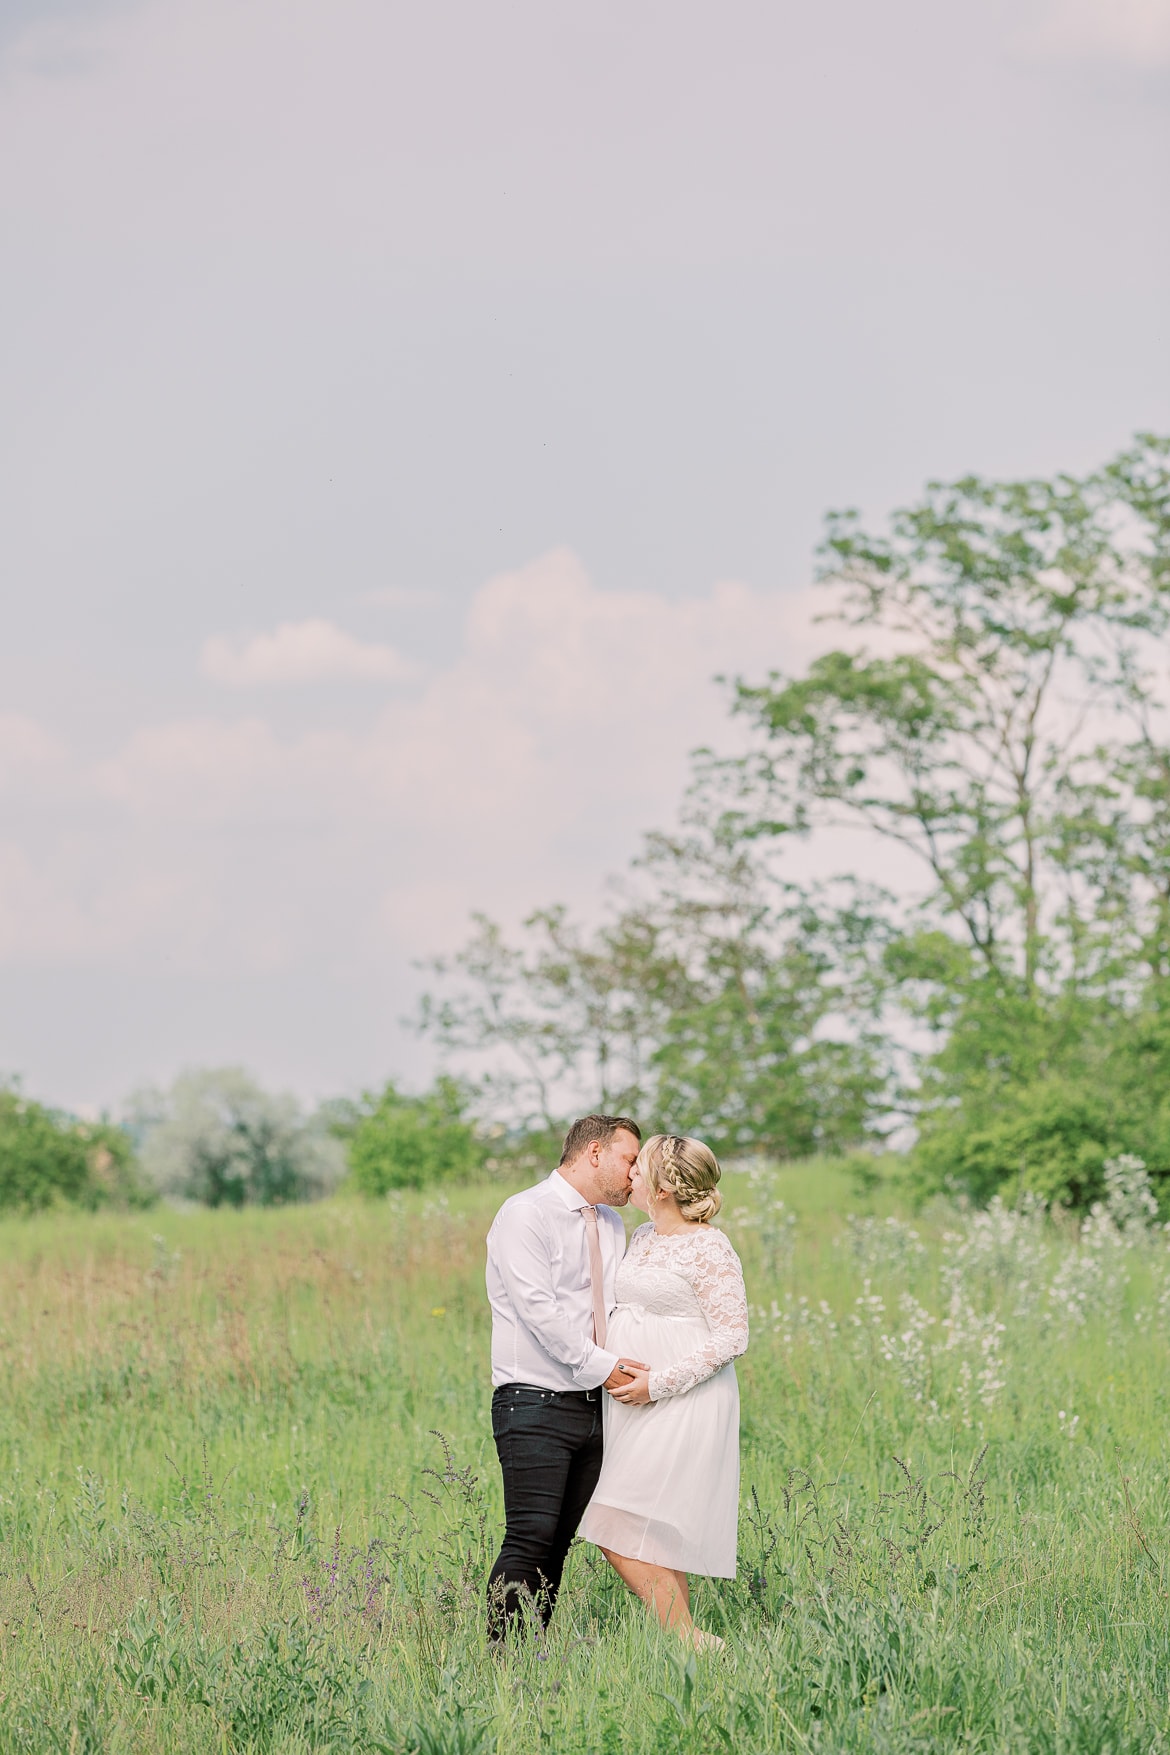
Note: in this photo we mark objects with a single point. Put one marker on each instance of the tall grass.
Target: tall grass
(248, 1497)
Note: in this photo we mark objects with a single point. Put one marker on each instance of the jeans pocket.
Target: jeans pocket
(526, 1419)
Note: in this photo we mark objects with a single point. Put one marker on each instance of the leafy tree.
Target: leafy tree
(1023, 607)
(715, 1001)
(767, 999)
(46, 1156)
(1006, 736)
(401, 1141)
(565, 1020)
(216, 1137)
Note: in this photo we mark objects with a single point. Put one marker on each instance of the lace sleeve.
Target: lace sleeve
(717, 1278)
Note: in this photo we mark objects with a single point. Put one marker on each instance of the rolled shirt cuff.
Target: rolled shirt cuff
(596, 1368)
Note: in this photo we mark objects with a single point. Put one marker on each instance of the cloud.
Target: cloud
(262, 886)
(29, 754)
(525, 770)
(1135, 33)
(301, 652)
(203, 770)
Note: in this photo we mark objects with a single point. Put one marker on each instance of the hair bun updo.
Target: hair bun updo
(686, 1168)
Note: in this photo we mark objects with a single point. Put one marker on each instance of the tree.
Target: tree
(566, 1020)
(47, 1156)
(715, 1000)
(766, 1039)
(1024, 606)
(217, 1138)
(399, 1141)
(1007, 738)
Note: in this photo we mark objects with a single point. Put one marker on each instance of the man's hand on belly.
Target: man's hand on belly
(622, 1373)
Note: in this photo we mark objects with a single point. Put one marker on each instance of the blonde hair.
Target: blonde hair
(685, 1168)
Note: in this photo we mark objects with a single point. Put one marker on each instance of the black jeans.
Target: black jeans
(549, 1445)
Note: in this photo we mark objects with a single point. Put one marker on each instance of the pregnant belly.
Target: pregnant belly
(656, 1338)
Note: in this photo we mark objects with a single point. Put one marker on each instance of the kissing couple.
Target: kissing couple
(615, 1404)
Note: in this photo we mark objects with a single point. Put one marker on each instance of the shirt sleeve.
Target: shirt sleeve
(718, 1285)
(524, 1264)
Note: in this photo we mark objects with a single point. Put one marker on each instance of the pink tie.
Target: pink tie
(589, 1214)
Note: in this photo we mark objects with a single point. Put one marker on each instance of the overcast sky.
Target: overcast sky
(408, 408)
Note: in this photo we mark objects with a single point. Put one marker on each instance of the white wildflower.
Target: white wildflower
(798, 1319)
(999, 1250)
(907, 1351)
(978, 1337)
(884, 1243)
(869, 1309)
(771, 1219)
(1091, 1279)
(1129, 1198)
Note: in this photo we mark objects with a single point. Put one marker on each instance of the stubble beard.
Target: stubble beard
(618, 1197)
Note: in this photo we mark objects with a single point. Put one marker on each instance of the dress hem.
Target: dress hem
(633, 1536)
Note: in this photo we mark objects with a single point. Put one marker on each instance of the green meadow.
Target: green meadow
(248, 1496)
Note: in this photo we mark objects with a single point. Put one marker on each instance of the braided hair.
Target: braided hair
(686, 1168)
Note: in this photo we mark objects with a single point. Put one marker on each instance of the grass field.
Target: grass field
(248, 1496)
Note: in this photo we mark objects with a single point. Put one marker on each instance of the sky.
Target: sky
(409, 411)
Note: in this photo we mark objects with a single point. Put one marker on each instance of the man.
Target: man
(553, 1255)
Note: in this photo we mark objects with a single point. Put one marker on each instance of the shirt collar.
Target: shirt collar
(571, 1196)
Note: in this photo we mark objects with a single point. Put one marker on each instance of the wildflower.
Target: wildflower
(999, 1247)
(884, 1243)
(908, 1351)
(1129, 1198)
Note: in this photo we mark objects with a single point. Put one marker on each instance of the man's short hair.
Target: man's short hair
(595, 1127)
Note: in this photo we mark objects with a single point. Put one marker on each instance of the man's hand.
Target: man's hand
(635, 1391)
(622, 1372)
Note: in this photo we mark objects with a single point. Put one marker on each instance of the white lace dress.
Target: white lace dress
(669, 1486)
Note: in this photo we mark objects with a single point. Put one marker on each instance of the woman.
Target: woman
(667, 1501)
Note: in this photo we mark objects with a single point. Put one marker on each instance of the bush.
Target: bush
(409, 1142)
(1050, 1139)
(46, 1156)
(217, 1138)
(1033, 1095)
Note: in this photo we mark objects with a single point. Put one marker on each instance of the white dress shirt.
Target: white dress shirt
(540, 1292)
